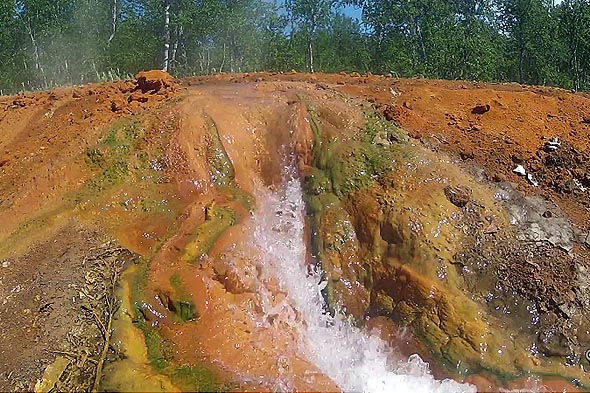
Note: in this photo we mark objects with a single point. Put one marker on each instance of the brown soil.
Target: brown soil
(49, 226)
(44, 311)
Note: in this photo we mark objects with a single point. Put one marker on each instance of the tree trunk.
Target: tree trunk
(222, 60)
(113, 24)
(310, 48)
(166, 65)
(312, 30)
(38, 64)
(521, 61)
(179, 32)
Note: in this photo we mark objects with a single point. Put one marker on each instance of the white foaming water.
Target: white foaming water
(355, 360)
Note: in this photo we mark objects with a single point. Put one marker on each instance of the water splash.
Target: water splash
(353, 359)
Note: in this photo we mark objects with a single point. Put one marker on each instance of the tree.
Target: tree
(341, 46)
(531, 31)
(309, 16)
(574, 28)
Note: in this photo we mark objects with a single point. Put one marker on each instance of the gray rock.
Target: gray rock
(583, 285)
(527, 216)
(552, 145)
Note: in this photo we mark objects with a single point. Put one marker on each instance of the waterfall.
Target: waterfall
(355, 360)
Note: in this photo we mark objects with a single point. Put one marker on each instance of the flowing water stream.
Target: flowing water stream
(355, 360)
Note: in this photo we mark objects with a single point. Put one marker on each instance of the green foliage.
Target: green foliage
(48, 43)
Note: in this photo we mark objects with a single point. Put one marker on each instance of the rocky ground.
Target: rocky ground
(457, 210)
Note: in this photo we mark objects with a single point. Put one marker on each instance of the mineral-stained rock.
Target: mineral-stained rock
(153, 81)
(531, 225)
(458, 196)
(338, 248)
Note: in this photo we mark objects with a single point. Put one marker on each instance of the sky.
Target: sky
(353, 11)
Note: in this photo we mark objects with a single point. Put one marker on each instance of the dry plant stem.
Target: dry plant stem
(111, 304)
(73, 355)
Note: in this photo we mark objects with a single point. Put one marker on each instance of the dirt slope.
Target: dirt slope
(64, 194)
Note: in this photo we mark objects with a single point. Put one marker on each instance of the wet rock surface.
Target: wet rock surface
(466, 267)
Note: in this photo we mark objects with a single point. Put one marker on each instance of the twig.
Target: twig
(73, 355)
(107, 338)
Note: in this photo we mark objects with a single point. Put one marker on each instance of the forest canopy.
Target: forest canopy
(44, 43)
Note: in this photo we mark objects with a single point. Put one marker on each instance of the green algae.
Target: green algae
(221, 168)
(160, 354)
(343, 166)
(180, 302)
(238, 195)
(112, 154)
(217, 220)
(194, 377)
(375, 125)
(345, 163)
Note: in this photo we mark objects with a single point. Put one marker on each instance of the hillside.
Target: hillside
(148, 232)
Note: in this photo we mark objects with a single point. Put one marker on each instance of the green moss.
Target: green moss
(181, 303)
(221, 168)
(375, 125)
(217, 220)
(112, 154)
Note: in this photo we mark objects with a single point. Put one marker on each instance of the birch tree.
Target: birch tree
(310, 16)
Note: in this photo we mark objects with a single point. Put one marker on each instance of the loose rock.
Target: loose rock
(467, 155)
(552, 145)
(480, 109)
(519, 170)
(458, 196)
(153, 81)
